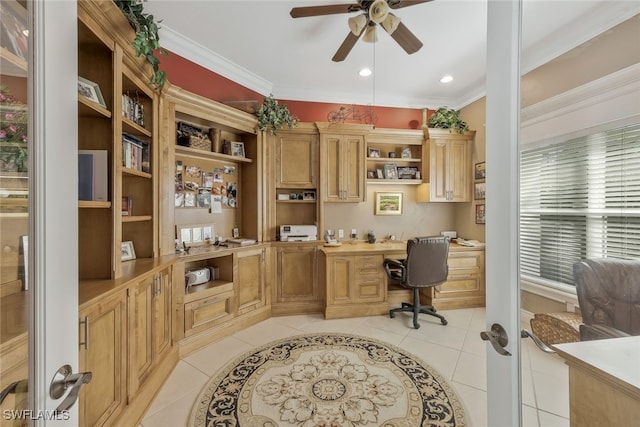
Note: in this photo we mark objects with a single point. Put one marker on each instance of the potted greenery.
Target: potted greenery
(448, 118)
(13, 133)
(273, 116)
(147, 41)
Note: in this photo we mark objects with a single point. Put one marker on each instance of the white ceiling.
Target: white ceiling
(257, 44)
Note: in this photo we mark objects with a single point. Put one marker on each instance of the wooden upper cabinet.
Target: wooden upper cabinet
(450, 165)
(342, 161)
(296, 160)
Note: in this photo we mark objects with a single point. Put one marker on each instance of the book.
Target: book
(93, 175)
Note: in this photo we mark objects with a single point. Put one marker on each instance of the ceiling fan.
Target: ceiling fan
(375, 12)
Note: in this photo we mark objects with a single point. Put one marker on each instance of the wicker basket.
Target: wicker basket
(195, 142)
(556, 328)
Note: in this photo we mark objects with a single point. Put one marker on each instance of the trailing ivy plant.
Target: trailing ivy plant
(147, 41)
(447, 118)
(273, 116)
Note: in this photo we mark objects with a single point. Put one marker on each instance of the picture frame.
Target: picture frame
(388, 203)
(309, 195)
(379, 174)
(407, 172)
(480, 214)
(390, 171)
(374, 152)
(127, 252)
(406, 153)
(237, 149)
(91, 91)
(371, 174)
(479, 170)
(479, 190)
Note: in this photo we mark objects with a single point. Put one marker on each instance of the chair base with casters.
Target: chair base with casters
(425, 267)
(416, 309)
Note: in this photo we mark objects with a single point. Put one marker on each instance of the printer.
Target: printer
(298, 233)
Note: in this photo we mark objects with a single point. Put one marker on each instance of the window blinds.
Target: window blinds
(579, 199)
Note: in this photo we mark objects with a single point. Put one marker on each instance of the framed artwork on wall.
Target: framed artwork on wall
(387, 203)
(480, 214)
(479, 190)
(479, 171)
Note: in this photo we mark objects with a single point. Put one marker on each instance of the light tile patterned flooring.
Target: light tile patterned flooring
(455, 351)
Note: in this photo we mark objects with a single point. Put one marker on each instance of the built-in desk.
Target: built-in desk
(356, 284)
(604, 381)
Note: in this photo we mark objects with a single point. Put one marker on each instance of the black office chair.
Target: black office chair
(425, 266)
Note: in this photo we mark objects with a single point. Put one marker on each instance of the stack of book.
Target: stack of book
(135, 153)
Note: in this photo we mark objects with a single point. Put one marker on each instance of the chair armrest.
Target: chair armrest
(599, 331)
(395, 269)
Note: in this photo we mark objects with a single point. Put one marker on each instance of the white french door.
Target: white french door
(53, 231)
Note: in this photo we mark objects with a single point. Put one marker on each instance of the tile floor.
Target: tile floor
(455, 351)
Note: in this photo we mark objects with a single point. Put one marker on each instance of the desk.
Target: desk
(604, 381)
(356, 284)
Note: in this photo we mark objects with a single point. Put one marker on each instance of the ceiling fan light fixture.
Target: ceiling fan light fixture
(390, 24)
(370, 35)
(357, 23)
(378, 11)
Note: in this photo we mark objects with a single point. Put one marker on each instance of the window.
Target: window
(579, 199)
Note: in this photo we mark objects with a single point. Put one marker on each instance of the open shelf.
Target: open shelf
(88, 108)
(201, 154)
(135, 172)
(212, 287)
(137, 218)
(134, 128)
(93, 204)
(395, 181)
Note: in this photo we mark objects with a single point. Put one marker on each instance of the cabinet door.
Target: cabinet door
(296, 161)
(339, 280)
(353, 173)
(250, 283)
(450, 170)
(333, 168)
(296, 274)
(102, 352)
(149, 326)
(140, 332)
(459, 178)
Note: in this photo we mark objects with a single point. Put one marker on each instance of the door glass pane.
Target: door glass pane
(14, 209)
(579, 190)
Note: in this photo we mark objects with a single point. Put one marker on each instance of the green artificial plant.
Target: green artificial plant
(448, 118)
(13, 133)
(147, 41)
(273, 116)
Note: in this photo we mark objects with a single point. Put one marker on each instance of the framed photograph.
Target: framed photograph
(126, 251)
(379, 174)
(237, 149)
(91, 91)
(480, 214)
(390, 171)
(371, 174)
(406, 153)
(407, 172)
(309, 195)
(374, 152)
(479, 190)
(479, 170)
(388, 203)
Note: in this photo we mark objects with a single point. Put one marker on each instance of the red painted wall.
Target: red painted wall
(197, 79)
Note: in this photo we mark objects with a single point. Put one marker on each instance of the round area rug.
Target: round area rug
(327, 380)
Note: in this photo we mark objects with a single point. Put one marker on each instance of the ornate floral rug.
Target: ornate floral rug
(327, 380)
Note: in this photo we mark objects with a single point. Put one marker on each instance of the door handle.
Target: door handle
(498, 338)
(62, 380)
(542, 346)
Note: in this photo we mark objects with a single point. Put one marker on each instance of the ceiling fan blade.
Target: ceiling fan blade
(345, 47)
(303, 12)
(397, 4)
(406, 39)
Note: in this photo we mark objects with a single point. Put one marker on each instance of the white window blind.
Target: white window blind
(579, 199)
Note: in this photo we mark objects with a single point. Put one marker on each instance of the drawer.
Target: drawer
(369, 289)
(370, 265)
(472, 262)
(202, 314)
(460, 284)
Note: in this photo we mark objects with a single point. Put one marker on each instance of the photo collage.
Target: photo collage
(212, 189)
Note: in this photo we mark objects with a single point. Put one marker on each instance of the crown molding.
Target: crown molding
(609, 101)
(195, 52)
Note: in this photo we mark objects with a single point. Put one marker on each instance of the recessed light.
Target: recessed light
(446, 79)
(365, 72)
